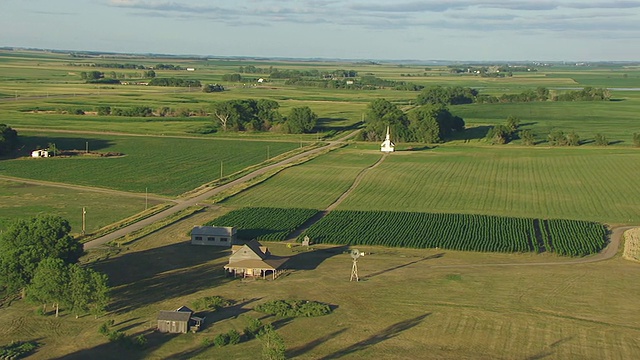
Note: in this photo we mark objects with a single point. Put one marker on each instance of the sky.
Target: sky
(454, 30)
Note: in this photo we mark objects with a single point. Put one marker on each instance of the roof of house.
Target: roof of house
(184, 309)
(213, 230)
(164, 315)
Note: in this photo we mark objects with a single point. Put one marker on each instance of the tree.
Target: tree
(27, 242)
(209, 88)
(557, 138)
(8, 139)
(382, 114)
(433, 123)
(601, 140)
(499, 134)
(273, 347)
(301, 120)
(573, 139)
(527, 137)
(446, 95)
(50, 283)
(513, 123)
(88, 290)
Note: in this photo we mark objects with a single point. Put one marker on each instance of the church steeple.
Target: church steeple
(387, 146)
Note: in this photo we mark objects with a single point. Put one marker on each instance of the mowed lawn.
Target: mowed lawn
(159, 165)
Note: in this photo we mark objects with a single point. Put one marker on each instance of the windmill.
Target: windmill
(355, 254)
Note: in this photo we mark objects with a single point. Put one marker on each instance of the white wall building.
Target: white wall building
(213, 235)
(387, 146)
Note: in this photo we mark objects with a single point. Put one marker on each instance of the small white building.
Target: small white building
(261, 80)
(40, 153)
(387, 146)
(191, 69)
(213, 235)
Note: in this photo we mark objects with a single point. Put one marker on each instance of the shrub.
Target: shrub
(17, 349)
(210, 303)
(234, 337)
(116, 335)
(253, 328)
(139, 341)
(221, 340)
(294, 308)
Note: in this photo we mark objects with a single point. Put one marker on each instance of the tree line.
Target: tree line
(261, 115)
(456, 95)
(129, 66)
(39, 259)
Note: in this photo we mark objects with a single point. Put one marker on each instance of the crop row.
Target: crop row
(459, 232)
(264, 223)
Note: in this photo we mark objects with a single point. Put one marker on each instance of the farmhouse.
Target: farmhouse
(387, 146)
(179, 321)
(213, 235)
(40, 153)
(254, 260)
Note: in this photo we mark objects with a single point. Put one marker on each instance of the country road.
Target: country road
(185, 203)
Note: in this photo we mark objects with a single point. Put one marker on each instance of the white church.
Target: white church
(387, 146)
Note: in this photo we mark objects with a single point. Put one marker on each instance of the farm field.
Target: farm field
(315, 184)
(20, 200)
(161, 165)
(446, 305)
(571, 183)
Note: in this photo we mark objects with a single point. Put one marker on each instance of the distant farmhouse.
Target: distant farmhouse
(179, 321)
(213, 235)
(40, 153)
(254, 260)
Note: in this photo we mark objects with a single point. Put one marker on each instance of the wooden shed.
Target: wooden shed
(174, 322)
(213, 235)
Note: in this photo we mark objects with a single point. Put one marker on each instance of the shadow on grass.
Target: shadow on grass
(120, 350)
(145, 277)
(310, 260)
(434, 256)
(388, 333)
(472, 133)
(549, 350)
(29, 143)
(300, 350)
(233, 311)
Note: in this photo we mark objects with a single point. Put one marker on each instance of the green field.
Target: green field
(20, 200)
(161, 165)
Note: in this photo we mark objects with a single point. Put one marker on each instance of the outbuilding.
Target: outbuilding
(174, 322)
(40, 153)
(213, 235)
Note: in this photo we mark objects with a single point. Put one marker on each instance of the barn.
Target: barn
(213, 235)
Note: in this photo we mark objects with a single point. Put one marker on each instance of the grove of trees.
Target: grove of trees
(38, 257)
(429, 123)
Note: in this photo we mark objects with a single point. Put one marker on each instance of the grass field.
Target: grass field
(444, 305)
(581, 184)
(20, 200)
(161, 165)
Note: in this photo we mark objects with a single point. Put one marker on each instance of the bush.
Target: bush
(253, 328)
(294, 308)
(210, 303)
(17, 349)
(116, 335)
(140, 341)
(221, 340)
(234, 337)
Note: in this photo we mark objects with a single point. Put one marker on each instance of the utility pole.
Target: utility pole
(146, 198)
(84, 220)
(267, 152)
(87, 147)
(220, 169)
